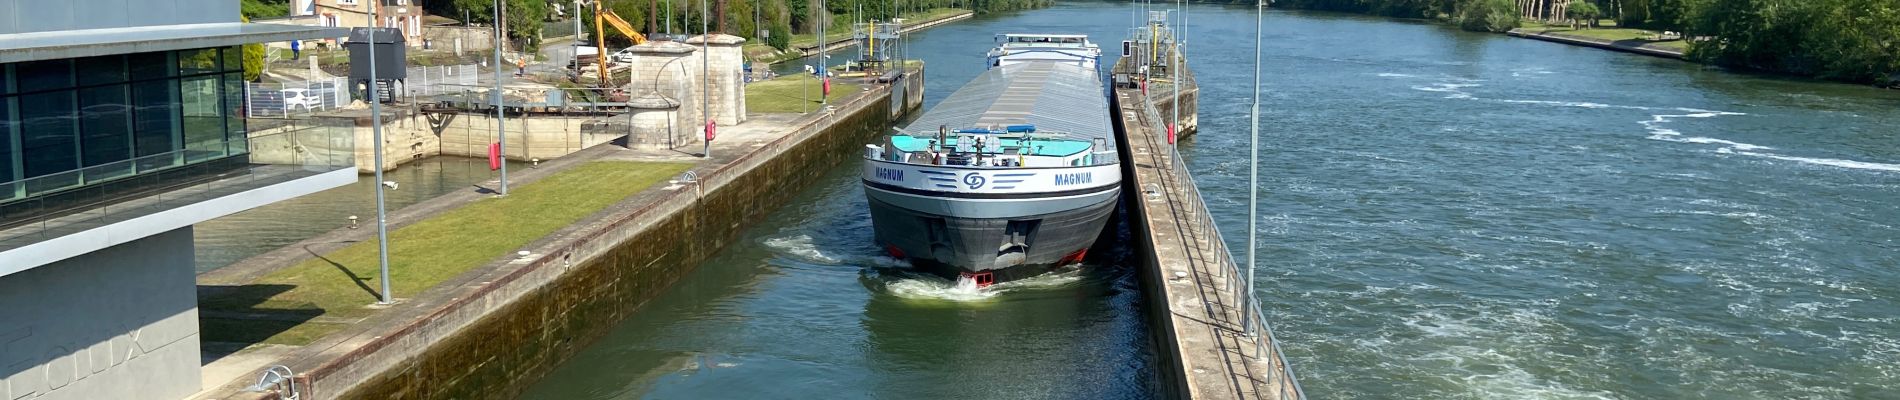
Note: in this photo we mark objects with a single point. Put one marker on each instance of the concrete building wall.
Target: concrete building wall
(449, 37)
(118, 323)
(24, 16)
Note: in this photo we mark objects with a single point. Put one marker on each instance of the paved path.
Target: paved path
(1194, 278)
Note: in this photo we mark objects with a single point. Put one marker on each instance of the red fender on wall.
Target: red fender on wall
(494, 156)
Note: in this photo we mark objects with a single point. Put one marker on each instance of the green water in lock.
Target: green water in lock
(1444, 215)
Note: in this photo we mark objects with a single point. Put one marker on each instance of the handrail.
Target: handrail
(1265, 344)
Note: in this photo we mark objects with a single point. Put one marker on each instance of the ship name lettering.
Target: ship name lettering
(1074, 179)
(890, 174)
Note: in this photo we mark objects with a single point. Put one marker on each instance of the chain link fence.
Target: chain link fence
(438, 80)
(285, 99)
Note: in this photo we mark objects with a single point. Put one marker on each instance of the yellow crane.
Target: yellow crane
(600, 36)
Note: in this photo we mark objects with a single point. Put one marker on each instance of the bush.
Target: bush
(781, 36)
(253, 58)
(1487, 15)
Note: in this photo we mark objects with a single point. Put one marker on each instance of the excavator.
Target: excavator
(600, 36)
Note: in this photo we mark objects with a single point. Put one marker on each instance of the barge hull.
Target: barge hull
(1008, 248)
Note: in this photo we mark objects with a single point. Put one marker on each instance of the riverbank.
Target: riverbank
(805, 45)
(1635, 46)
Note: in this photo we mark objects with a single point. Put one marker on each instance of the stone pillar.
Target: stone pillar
(670, 71)
(727, 76)
(656, 123)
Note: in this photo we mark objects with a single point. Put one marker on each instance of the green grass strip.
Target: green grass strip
(795, 93)
(341, 283)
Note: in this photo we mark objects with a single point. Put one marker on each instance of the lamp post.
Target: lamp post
(501, 127)
(1253, 176)
(376, 127)
(824, 93)
(705, 73)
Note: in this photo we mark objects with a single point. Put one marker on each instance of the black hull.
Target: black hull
(992, 249)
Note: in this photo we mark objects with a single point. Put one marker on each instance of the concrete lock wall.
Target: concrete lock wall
(1190, 115)
(530, 137)
(119, 323)
(516, 344)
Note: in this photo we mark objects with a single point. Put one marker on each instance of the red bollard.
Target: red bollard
(494, 156)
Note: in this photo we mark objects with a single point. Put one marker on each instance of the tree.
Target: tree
(1486, 15)
(253, 58)
(1584, 11)
(1632, 13)
(781, 36)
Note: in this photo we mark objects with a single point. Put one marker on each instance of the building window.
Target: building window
(77, 122)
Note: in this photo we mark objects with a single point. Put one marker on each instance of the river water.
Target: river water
(1444, 215)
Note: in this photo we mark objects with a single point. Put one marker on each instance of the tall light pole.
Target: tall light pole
(1253, 176)
(576, 16)
(376, 127)
(705, 72)
(824, 78)
(501, 127)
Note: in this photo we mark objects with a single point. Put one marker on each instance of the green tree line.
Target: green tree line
(1848, 40)
(744, 18)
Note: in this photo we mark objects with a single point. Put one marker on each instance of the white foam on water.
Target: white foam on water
(1451, 90)
(964, 289)
(927, 288)
(1578, 104)
(800, 246)
(1831, 162)
(1657, 132)
(1393, 75)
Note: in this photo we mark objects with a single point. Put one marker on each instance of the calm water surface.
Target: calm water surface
(1445, 215)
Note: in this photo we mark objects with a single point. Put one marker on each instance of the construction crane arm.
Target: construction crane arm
(622, 26)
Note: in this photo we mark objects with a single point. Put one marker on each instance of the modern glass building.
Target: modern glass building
(121, 126)
(72, 123)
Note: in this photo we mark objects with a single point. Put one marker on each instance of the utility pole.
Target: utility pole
(501, 126)
(705, 72)
(824, 76)
(576, 16)
(376, 127)
(1253, 177)
(501, 24)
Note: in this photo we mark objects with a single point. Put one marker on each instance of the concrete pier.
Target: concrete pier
(1196, 294)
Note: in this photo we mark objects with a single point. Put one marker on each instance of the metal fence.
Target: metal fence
(1280, 382)
(282, 100)
(437, 80)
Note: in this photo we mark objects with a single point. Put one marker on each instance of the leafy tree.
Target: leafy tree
(253, 58)
(1487, 15)
(1583, 11)
(1632, 13)
(264, 8)
(781, 35)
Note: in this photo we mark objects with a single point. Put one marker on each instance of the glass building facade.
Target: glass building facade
(79, 123)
